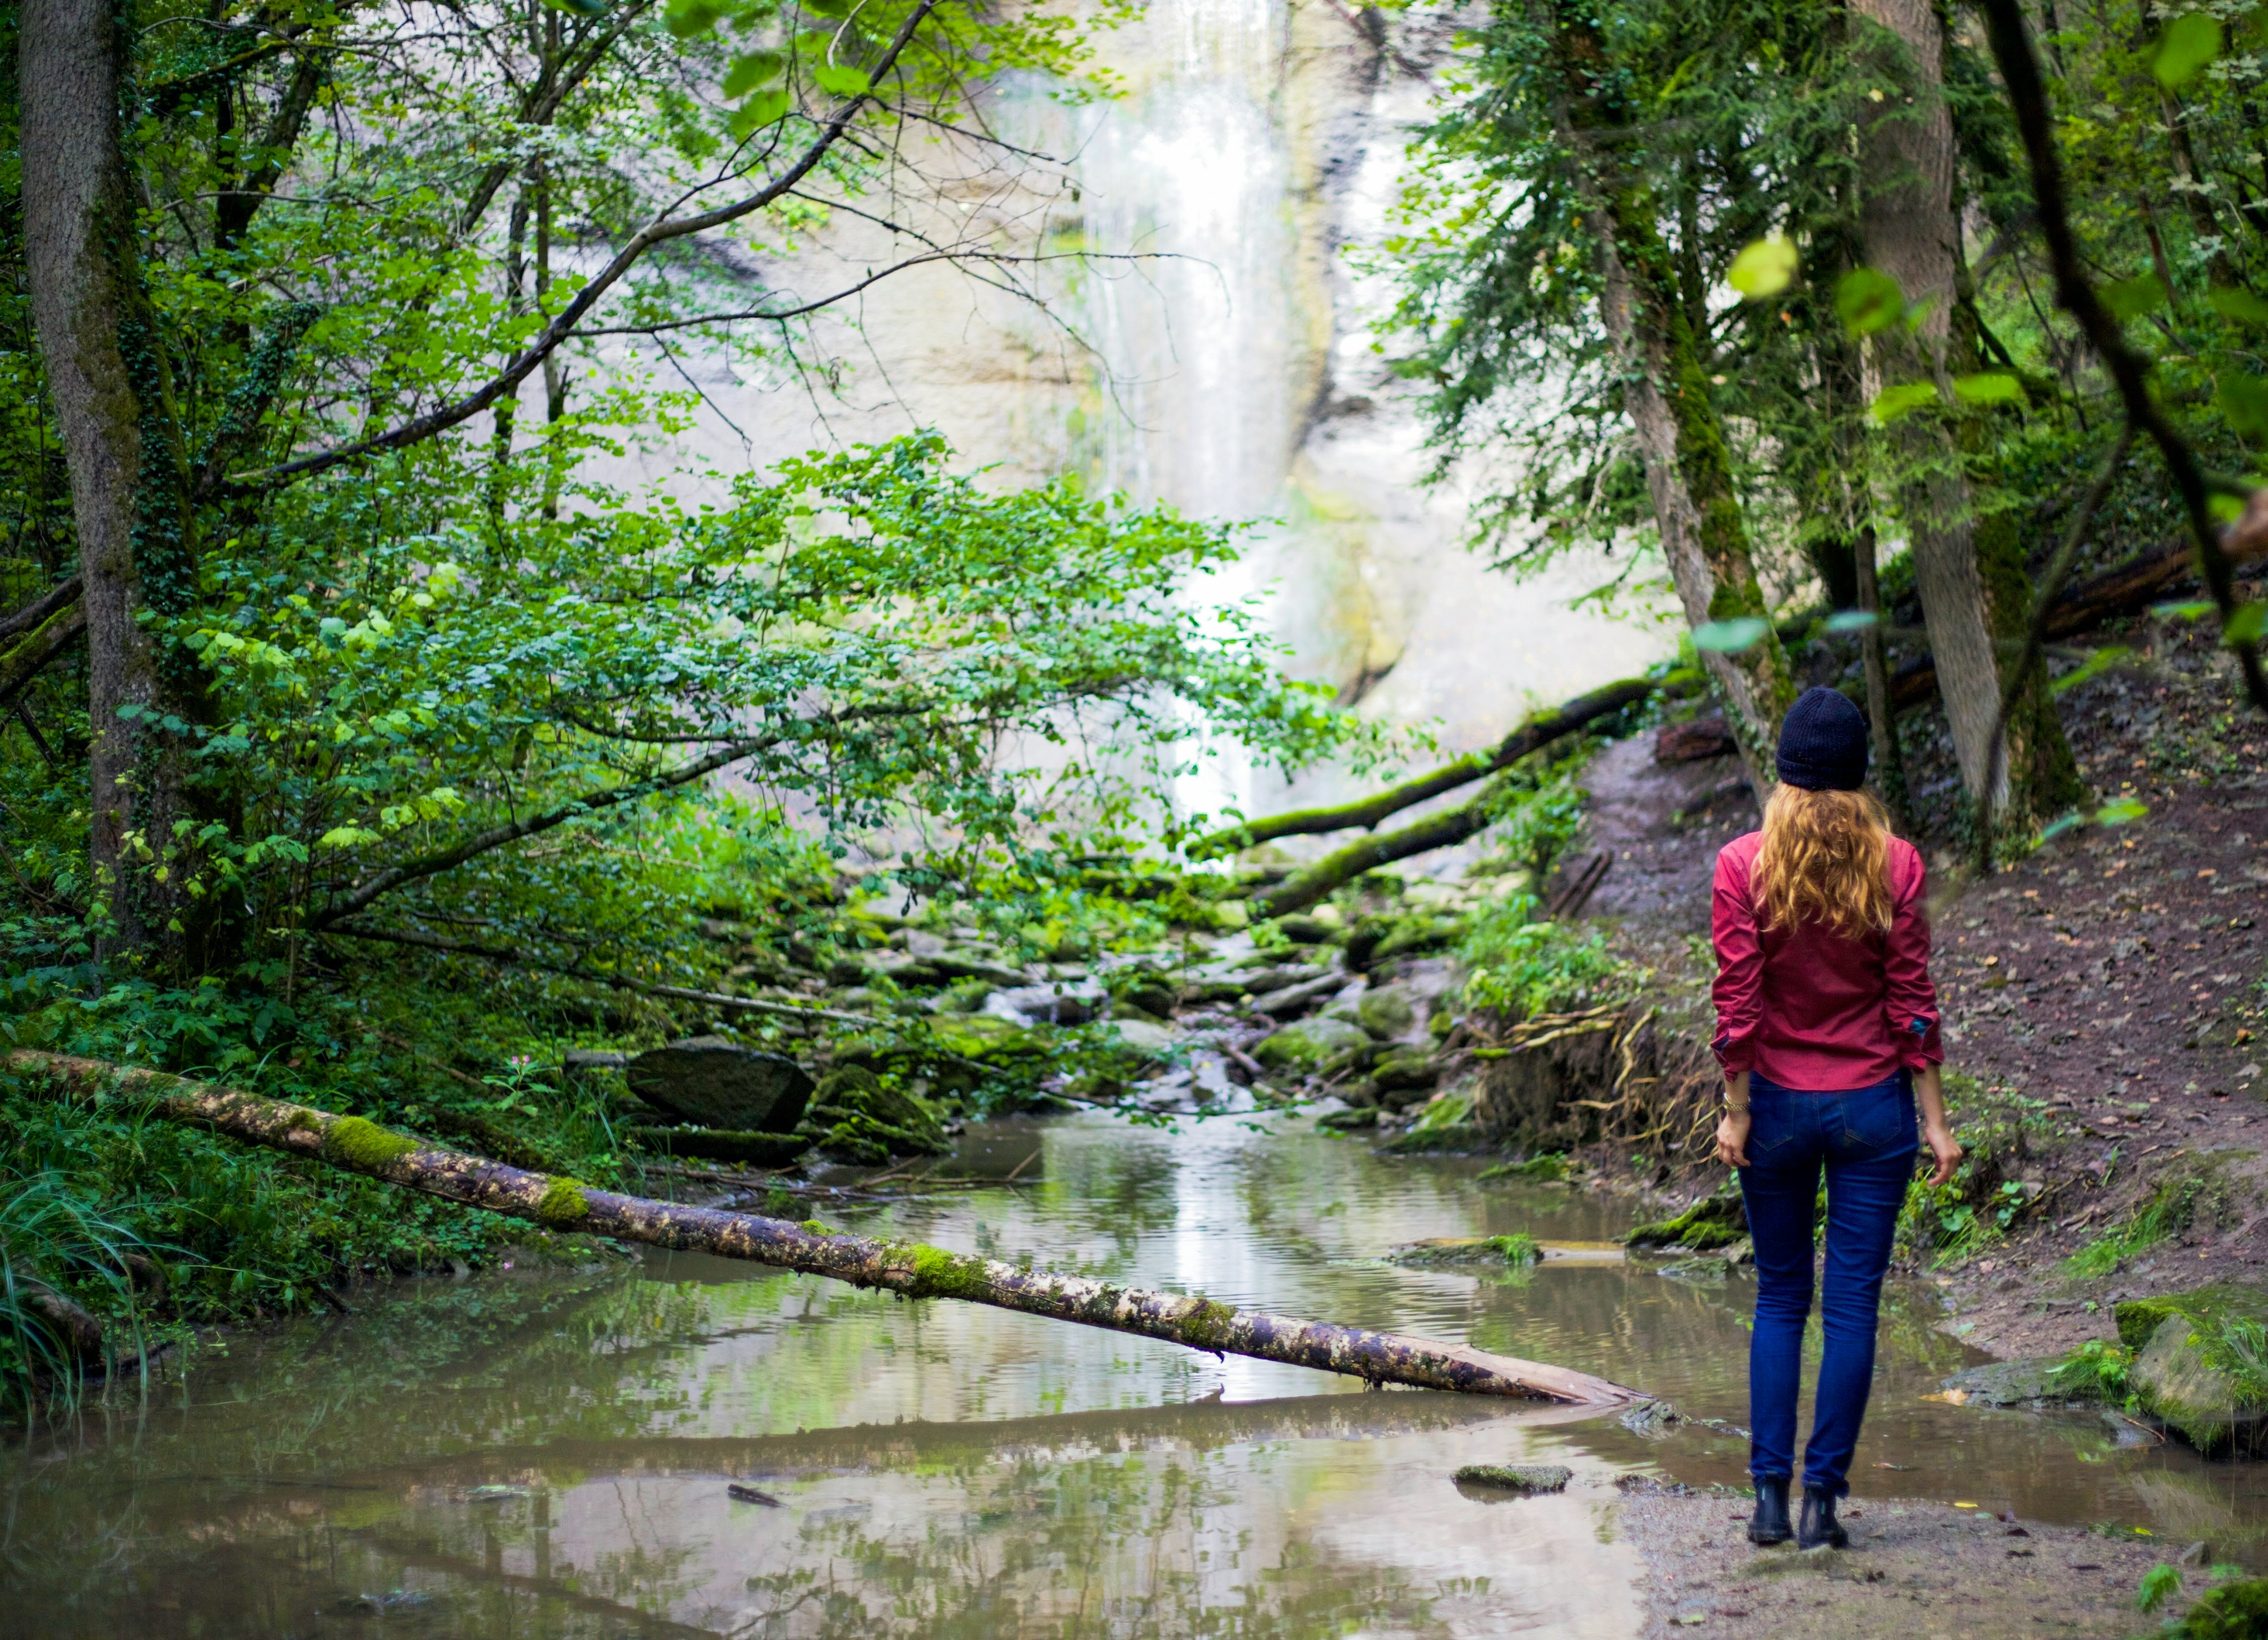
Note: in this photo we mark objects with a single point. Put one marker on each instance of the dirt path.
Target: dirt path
(1914, 1571)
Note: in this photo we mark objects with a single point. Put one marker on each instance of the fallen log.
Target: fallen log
(1344, 865)
(1538, 733)
(911, 1269)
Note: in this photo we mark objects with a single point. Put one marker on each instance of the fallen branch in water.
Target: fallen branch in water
(916, 1270)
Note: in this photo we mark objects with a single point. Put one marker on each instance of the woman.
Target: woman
(1827, 1029)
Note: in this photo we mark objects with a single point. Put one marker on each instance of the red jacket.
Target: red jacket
(1813, 1010)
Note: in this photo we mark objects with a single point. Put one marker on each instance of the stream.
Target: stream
(548, 1453)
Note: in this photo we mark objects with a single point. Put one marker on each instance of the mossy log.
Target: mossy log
(1342, 866)
(911, 1269)
(1536, 733)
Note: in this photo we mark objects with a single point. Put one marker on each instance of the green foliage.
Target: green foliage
(1521, 966)
(2235, 1611)
(2096, 1371)
(2169, 1210)
(55, 1242)
(2158, 1584)
(2237, 1347)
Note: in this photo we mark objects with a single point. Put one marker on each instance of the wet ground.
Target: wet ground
(550, 1456)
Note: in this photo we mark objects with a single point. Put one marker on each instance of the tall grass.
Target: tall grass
(58, 1249)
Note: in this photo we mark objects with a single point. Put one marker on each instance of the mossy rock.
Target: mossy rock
(1405, 1069)
(1307, 931)
(2028, 1383)
(1310, 1044)
(1516, 1251)
(985, 1038)
(1456, 1139)
(1548, 1169)
(723, 1144)
(1527, 1479)
(2140, 1318)
(1386, 1014)
(1354, 1121)
(1714, 1221)
(2174, 1383)
(715, 1083)
(856, 1118)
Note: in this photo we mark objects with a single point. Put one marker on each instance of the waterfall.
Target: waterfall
(1227, 369)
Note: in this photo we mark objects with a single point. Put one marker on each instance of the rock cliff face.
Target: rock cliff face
(1202, 336)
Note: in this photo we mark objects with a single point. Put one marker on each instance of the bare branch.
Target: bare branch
(659, 231)
(2020, 72)
(394, 877)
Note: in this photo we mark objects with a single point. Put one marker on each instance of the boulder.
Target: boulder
(1713, 1221)
(1306, 930)
(1152, 1041)
(1524, 1478)
(2140, 1318)
(983, 1036)
(1311, 1043)
(1405, 1069)
(2028, 1382)
(2175, 1383)
(856, 1118)
(1385, 1014)
(1051, 1004)
(717, 1084)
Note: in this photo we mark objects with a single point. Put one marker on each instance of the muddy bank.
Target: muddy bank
(1915, 1571)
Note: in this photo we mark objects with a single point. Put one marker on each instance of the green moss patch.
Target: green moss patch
(1527, 1479)
(942, 1274)
(1714, 1221)
(362, 1144)
(563, 1202)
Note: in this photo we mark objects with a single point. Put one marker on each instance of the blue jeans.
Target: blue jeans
(1866, 1140)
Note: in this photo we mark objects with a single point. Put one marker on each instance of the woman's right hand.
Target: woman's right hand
(1732, 1138)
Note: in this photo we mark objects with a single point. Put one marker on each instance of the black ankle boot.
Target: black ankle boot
(1819, 1523)
(1771, 1523)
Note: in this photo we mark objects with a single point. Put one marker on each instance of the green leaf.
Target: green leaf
(828, 8)
(841, 80)
(2184, 612)
(1853, 620)
(1765, 269)
(2120, 812)
(2241, 305)
(2224, 507)
(2162, 1581)
(685, 19)
(2130, 299)
(751, 70)
(1903, 398)
(2244, 627)
(2093, 666)
(2055, 828)
(579, 8)
(2190, 42)
(1731, 637)
(1990, 387)
(2244, 401)
(761, 110)
(1867, 299)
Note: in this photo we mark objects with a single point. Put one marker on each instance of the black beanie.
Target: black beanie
(1823, 743)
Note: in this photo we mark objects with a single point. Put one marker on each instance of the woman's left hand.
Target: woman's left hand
(1732, 1138)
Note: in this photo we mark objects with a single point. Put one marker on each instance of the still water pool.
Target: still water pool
(549, 1456)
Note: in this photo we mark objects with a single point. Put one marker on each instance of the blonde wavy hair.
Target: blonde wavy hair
(1825, 859)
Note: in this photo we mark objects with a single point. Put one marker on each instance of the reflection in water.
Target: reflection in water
(548, 1457)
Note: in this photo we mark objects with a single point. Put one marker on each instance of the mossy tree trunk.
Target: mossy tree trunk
(911, 1269)
(109, 377)
(1909, 231)
(1665, 394)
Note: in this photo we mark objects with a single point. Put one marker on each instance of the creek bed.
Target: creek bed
(547, 1455)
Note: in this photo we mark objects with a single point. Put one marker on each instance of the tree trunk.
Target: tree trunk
(916, 1270)
(107, 375)
(1909, 233)
(1666, 395)
(1882, 709)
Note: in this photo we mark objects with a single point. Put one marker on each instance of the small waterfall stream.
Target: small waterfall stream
(1227, 367)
